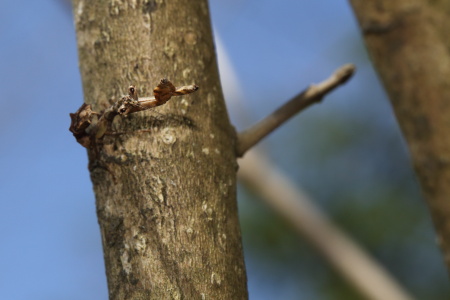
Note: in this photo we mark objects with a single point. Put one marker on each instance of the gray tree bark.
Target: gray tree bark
(409, 45)
(165, 181)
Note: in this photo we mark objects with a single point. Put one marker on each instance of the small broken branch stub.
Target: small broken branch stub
(87, 132)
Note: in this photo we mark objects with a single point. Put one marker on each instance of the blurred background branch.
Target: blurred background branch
(416, 75)
(346, 256)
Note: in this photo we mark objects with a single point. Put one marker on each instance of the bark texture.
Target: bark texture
(410, 47)
(165, 182)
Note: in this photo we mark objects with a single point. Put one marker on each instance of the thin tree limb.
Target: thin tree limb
(348, 258)
(251, 136)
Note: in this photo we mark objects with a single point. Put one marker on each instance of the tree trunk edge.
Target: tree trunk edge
(409, 46)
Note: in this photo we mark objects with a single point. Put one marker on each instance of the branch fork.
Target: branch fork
(86, 132)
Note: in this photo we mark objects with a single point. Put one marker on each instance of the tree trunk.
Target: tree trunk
(409, 44)
(164, 180)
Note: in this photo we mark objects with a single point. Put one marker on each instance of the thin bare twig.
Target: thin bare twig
(251, 136)
(360, 270)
